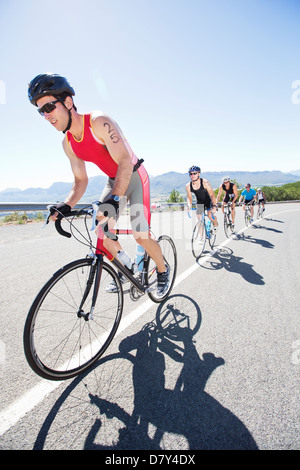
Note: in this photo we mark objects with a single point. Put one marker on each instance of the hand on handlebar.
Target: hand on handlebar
(99, 211)
(107, 210)
(57, 210)
(102, 213)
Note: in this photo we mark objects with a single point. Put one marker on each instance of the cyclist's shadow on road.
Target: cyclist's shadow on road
(224, 258)
(187, 412)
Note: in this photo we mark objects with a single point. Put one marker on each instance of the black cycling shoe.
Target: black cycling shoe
(163, 281)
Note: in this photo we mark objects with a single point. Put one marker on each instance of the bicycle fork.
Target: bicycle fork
(94, 274)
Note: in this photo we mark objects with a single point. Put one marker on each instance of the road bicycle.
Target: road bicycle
(228, 225)
(74, 318)
(247, 214)
(260, 210)
(203, 230)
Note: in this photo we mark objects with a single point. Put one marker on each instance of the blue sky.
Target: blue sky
(189, 82)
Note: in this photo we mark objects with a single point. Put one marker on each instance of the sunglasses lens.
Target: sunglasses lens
(47, 108)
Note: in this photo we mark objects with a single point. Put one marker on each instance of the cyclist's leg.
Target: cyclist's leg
(111, 245)
(233, 213)
(138, 193)
(224, 204)
(212, 217)
(252, 208)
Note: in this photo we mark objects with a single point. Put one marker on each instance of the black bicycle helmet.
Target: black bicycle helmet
(194, 168)
(48, 84)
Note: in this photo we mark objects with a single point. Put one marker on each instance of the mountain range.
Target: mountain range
(160, 185)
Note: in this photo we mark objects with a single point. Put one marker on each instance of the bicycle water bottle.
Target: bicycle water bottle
(208, 225)
(139, 257)
(125, 259)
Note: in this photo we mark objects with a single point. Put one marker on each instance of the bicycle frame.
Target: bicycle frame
(260, 209)
(102, 251)
(247, 210)
(227, 210)
(205, 219)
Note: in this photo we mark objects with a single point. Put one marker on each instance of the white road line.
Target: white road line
(18, 409)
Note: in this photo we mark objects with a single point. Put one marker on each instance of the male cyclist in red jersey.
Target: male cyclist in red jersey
(95, 137)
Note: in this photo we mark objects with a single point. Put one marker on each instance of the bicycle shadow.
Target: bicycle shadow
(257, 241)
(186, 410)
(225, 259)
(258, 225)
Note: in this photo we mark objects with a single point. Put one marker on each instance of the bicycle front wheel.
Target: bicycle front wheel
(247, 218)
(212, 236)
(63, 335)
(170, 257)
(228, 225)
(198, 239)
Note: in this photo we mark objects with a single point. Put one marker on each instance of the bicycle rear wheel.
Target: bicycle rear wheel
(198, 239)
(170, 256)
(60, 339)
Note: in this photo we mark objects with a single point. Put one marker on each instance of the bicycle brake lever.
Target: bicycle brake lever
(47, 219)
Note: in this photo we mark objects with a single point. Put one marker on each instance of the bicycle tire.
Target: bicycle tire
(58, 343)
(247, 218)
(212, 236)
(170, 256)
(198, 239)
(228, 225)
(226, 228)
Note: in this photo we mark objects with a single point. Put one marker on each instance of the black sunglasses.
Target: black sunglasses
(193, 173)
(47, 108)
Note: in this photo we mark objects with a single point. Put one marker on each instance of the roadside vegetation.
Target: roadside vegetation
(21, 218)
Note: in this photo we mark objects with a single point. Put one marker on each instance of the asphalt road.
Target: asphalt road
(228, 377)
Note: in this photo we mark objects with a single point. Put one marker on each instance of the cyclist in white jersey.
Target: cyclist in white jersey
(261, 197)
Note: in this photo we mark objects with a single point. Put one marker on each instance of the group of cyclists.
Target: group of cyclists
(96, 137)
(206, 199)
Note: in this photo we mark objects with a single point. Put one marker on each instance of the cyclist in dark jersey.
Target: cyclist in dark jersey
(231, 195)
(97, 138)
(204, 193)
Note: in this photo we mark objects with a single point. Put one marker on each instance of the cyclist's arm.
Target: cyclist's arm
(109, 132)
(189, 196)
(210, 191)
(80, 176)
(236, 194)
(219, 194)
